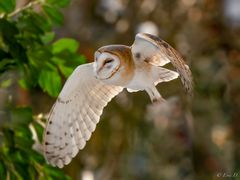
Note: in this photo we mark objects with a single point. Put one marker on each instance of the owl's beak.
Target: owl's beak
(96, 74)
(95, 70)
(99, 69)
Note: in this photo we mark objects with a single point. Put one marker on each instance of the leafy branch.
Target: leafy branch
(27, 6)
(29, 48)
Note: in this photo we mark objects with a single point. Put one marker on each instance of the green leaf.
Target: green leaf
(48, 37)
(19, 157)
(29, 76)
(59, 3)
(65, 44)
(41, 21)
(50, 81)
(77, 59)
(36, 157)
(23, 83)
(32, 27)
(22, 137)
(7, 6)
(39, 56)
(29, 22)
(54, 14)
(66, 71)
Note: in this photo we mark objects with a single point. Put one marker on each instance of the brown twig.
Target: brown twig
(27, 6)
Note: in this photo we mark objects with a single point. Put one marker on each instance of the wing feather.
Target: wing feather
(157, 52)
(75, 114)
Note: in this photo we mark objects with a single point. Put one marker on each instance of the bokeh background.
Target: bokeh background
(183, 139)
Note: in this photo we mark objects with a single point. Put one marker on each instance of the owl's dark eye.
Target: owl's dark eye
(137, 55)
(108, 61)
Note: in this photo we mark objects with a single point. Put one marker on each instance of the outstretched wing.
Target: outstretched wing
(157, 52)
(75, 114)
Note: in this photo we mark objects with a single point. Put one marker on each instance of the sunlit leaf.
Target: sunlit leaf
(48, 37)
(54, 14)
(67, 71)
(23, 83)
(39, 57)
(7, 6)
(50, 81)
(78, 59)
(65, 44)
(26, 45)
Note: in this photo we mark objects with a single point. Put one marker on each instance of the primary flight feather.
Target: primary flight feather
(91, 86)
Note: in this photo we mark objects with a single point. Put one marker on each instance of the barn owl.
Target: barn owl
(91, 86)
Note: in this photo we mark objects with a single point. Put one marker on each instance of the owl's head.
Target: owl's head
(108, 60)
(105, 65)
(113, 64)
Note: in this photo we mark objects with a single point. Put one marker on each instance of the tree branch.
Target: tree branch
(29, 5)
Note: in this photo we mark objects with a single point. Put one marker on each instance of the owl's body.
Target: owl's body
(91, 86)
(133, 75)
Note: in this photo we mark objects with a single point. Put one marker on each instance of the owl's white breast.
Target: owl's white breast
(120, 78)
(142, 77)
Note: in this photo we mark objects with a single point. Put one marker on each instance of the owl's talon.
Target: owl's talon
(159, 101)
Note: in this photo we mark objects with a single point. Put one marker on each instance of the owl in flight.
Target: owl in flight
(91, 86)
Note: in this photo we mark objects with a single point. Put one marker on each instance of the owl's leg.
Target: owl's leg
(155, 96)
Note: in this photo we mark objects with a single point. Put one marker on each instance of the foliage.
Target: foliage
(28, 47)
(17, 160)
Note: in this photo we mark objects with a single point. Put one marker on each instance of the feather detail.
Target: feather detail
(157, 52)
(75, 114)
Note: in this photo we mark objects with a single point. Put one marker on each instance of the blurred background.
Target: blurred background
(182, 139)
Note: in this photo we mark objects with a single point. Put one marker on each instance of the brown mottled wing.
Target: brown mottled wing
(75, 115)
(157, 52)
